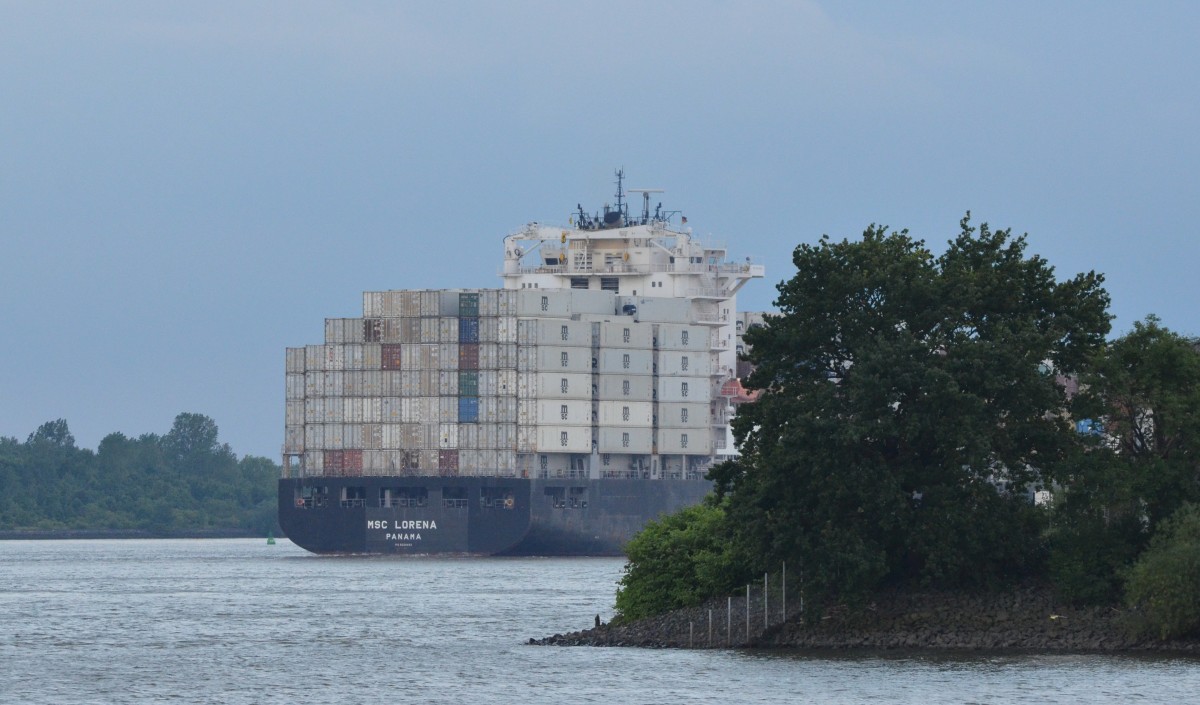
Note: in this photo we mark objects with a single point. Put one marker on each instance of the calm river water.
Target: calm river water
(237, 621)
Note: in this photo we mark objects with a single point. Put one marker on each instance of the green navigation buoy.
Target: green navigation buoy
(270, 538)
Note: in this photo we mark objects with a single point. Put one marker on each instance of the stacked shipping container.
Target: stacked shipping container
(462, 382)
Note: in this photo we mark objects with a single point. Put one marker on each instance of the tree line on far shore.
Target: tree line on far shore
(956, 422)
(183, 483)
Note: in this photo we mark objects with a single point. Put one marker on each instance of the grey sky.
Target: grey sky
(188, 188)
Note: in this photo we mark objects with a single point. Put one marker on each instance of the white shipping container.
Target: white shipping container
(334, 436)
(447, 409)
(506, 383)
(294, 386)
(372, 358)
(682, 337)
(486, 465)
(410, 357)
(626, 361)
(314, 436)
(410, 410)
(410, 383)
(293, 438)
(430, 303)
(314, 410)
(626, 333)
(468, 462)
(564, 412)
(448, 436)
(372, 435)
(391, 303)
(353, 356)
(663, 309)
(506, 329)
(489, 330)
(373, 462)
(487, 383)
(410, 304)
(497, 409)
(626, 413)
(448, 327)
(293, 413)
(373, 304)
(468, 435)
(335, 384)
(554, 331)
(392, 436)
(354, 383)
(489, 358)
(372, 410)
(352, 410)
(684, 389)
(335, 357)
(675, 363)
(594, 302)
(313, 460)
(489, 303)
(564, 439)
(314, 357)
(352, 436)
(548, 385)
(625, 388)
(554, 358)
(527, 439)
(448, 302)
(372, 383)
(446, 357)
(294, 360)
(506, 435)
(314, 384)
(429, 331)
(506, 356)
(543, 302)
(393, 409)
(685, 441)
(343, 330)
(447, 383)
(678, 415)
(506, 462)
(427, 383)
(625, 440)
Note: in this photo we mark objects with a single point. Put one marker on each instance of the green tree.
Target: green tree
(1140, 406)
(909, 406)
(1164, 584)
(677, 561)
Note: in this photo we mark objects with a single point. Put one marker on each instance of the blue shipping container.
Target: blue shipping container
(468, 330)
(468, 409)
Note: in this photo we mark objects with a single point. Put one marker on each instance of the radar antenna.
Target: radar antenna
(646, 202)
(621, 194)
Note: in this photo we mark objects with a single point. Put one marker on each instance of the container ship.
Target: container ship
(555, 415)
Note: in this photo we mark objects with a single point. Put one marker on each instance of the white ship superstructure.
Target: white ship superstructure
(605, 356)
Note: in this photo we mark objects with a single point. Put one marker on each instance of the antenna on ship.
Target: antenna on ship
(646, 202)
(621, 194)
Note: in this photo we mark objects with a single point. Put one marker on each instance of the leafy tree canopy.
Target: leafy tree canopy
(184, 482)
(909, 404)
(1139, 407)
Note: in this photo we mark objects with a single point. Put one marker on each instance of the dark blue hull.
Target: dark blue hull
(475, 515)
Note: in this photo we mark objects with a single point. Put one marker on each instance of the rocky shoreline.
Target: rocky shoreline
(1025, 619)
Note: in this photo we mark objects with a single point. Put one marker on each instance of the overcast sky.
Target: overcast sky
(188, 188)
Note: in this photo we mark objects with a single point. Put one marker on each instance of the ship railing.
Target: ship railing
(404, 502)
(750, 270)
(347, 503)
(454, 503)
